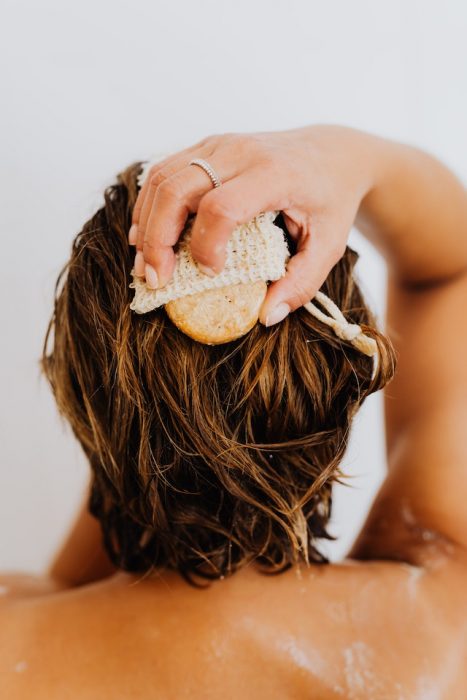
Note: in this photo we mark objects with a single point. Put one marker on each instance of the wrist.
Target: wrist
(358, 155)
(383, 159)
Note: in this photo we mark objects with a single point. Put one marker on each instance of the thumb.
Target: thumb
(306, 272)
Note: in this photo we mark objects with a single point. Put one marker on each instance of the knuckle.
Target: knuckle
(170, 188)
(245, 144)
(299, 294)
(157, 178)
(154, 176)
(254, 143)
(203, 142)
(216, 206)
(210, 142)
(222, 138)
(271, 165)
(255, 149)
(228, 136)
(211, 139)
(148, 245)
(201, 255)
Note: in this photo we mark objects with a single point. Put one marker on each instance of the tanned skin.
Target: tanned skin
(391, 620)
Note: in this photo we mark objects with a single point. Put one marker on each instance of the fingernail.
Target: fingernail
(277, 314)
(139, 264)
(207, 270)
(151, 277)
(133, 234)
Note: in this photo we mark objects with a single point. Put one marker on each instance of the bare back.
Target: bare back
(355, 630)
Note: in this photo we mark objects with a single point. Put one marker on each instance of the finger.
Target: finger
(136, 213)
(175, 198)
(157, 174)
(138, 206)
(169, 163)
(225, 207)
(163, 163)
(306, 272)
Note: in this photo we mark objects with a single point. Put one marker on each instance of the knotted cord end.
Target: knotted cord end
(350, 332)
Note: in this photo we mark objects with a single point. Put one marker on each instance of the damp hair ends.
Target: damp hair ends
(203, 458)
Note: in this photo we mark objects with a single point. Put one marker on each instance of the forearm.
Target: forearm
(415, 214)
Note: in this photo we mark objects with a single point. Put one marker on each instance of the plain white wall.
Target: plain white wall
(89, 87)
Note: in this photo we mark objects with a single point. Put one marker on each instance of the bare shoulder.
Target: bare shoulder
(17, 585)
(42, 627)
(387, 629)
(357, 629)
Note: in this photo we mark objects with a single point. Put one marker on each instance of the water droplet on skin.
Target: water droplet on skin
(20, 667)
(305, 658)
(414, 575)
(427, 689)
(4, 590)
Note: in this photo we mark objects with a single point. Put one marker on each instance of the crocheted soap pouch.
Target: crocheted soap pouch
(255, 251)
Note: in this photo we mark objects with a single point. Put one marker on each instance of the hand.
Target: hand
(317, 176)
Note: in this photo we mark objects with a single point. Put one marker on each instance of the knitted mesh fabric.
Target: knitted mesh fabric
(255, 251)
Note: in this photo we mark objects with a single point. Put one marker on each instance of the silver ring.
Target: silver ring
(216, 181)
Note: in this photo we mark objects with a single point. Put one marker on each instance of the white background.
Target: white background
(88, 87)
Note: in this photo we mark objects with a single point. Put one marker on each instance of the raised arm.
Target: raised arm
(414, 210)
(417, 215)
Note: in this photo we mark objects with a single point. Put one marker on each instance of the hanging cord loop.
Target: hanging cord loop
(351, 332)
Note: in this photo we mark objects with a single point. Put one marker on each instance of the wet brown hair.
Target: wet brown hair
(203, 458)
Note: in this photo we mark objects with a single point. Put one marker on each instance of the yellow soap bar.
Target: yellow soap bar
(217, 316)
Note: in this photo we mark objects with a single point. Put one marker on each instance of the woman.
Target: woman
(212, 467)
